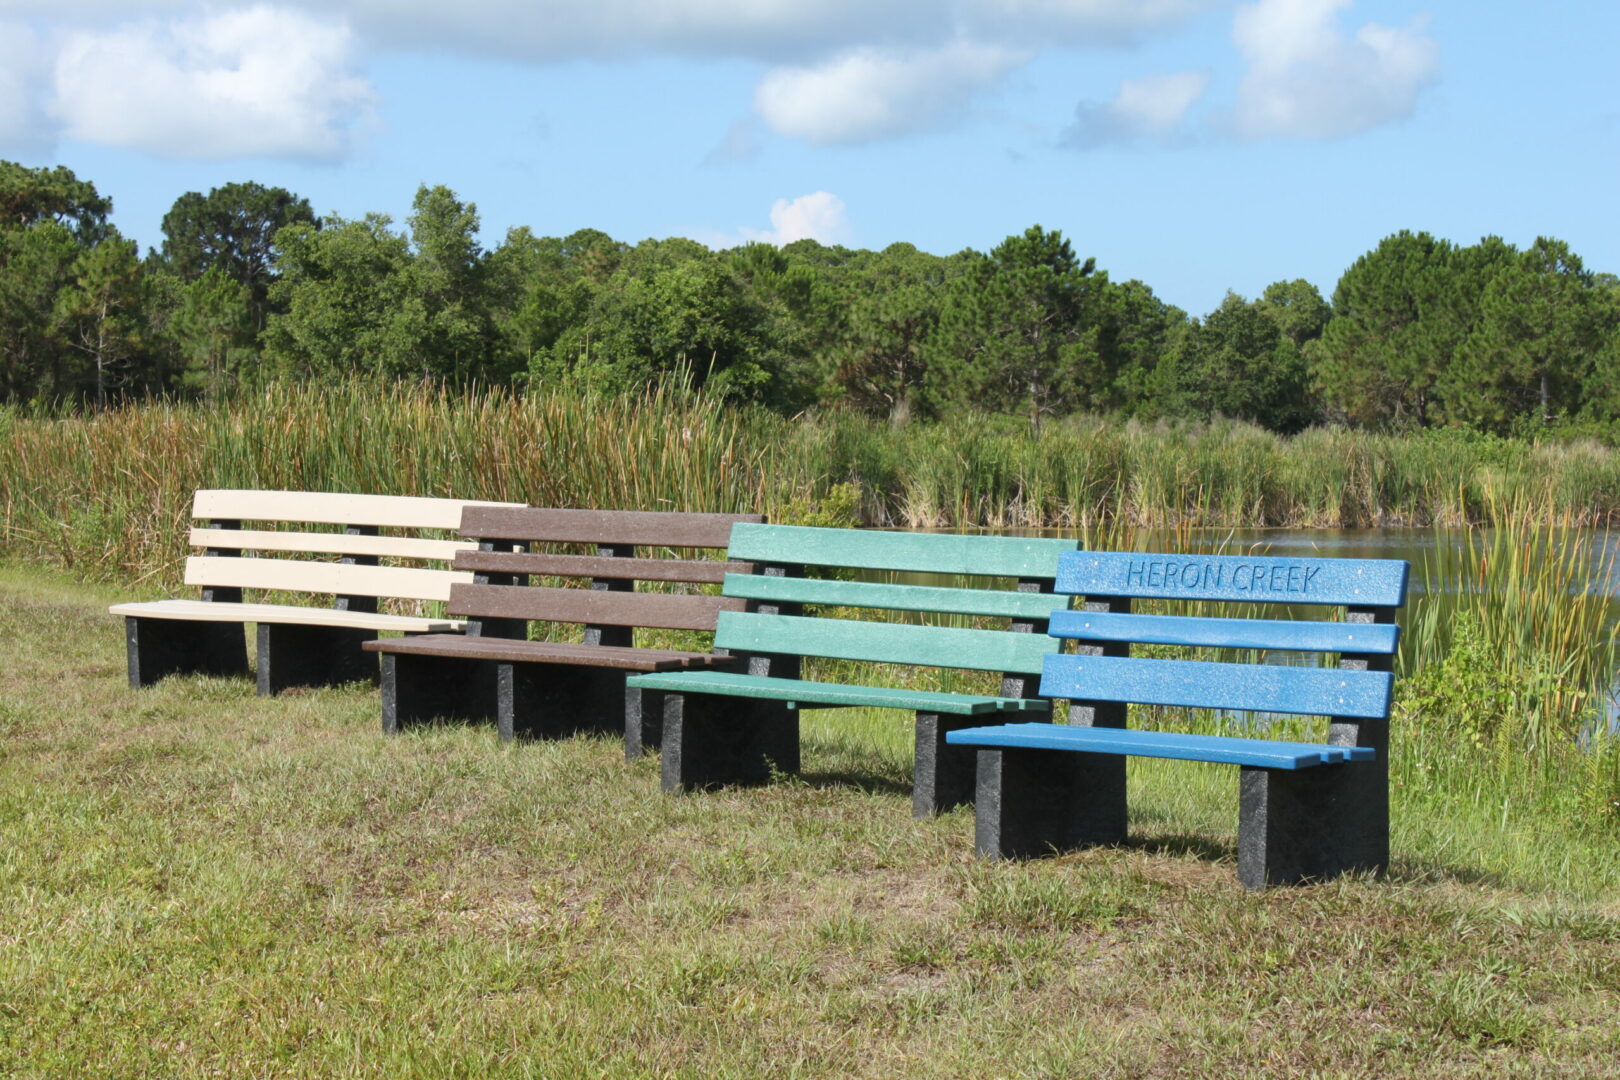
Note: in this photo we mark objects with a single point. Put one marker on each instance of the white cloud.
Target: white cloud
(769, 31)
(1153, 109)
(839, 71)
(874, 94)
(819, 216)
(245, 82)
(1307, 80)
(1082, 22)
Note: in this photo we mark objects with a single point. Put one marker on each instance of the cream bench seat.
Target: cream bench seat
(298, 645)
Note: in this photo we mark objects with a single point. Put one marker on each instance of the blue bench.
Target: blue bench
(1307, 811)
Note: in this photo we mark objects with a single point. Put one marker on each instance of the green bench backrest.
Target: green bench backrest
(945, 601)
(887, 643)
(865, 549)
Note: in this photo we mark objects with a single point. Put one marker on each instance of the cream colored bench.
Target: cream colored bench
(298, 645)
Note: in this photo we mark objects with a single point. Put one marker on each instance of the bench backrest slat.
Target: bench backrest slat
(608, 527)
(1353, 582)
(344, 579)
(889, 643)
(948, 601)
(661, 610)
(1206, 685)
(334, 508)
(863, 549)
(1303, 636)
(693, 571)
(388, 547)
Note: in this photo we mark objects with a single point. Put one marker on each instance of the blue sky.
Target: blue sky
(1197, 145)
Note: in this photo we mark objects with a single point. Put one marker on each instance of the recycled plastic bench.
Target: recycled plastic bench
(549, 688)
(1306, 810)
(297, 645)
(735, 727)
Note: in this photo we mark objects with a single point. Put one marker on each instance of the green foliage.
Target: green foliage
(342, 302)
(1399, 313)
(893, 312)
(212, 326)
(31, 196)
(232, 230)
(1421, 332)
(1469, 692)
(36, 263)
(1531, 352)
(1237, 363)
(99, 313)
(1019, 331)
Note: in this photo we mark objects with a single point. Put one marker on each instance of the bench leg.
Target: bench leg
(1031, 803)
(1299, 825)
(417, 689)
(943, 775)
(552, 701)
(709, 740)
(643, 721)
(160, 647)
(292, 655)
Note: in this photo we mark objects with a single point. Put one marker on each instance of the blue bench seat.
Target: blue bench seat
(1225, 749)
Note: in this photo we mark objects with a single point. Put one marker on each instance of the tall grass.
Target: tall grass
(108, 494)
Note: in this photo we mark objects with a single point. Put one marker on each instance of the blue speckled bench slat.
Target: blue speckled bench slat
(1258, 579)
(1203, 684)
(1227, 633)
(1261, 753)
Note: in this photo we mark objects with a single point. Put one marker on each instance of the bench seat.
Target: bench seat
(546, 689)
(508, 650)
(282, 614)
(840, 695)
(1226, 749)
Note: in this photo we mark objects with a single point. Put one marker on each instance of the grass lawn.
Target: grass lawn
(198, 882)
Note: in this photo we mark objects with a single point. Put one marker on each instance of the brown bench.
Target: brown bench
(298, 645)
(549, 688)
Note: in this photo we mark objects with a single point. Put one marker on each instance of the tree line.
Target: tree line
(249, 285)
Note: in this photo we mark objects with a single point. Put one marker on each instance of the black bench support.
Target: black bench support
(643, 721)
(160, 647)
(1302, 825)
(713, 741)
(294, 655)
(435, 688)
(943, 776)
(1031, 803)
(550, 701)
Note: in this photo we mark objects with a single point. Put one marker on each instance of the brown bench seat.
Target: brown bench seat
(543, 688)
(555, 652)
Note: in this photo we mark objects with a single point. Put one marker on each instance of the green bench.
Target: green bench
(737, 726)
(1307, 811)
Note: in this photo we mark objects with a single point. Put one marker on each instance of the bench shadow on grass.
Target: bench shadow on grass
(865, 782)
(1402, 871)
